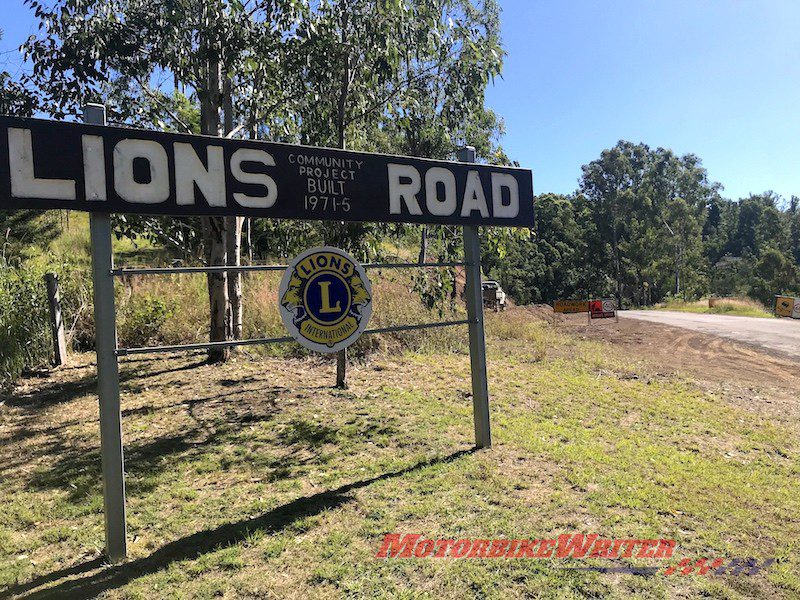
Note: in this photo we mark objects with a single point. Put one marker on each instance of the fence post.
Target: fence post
(56, 320)
(111, 452)
(477, 339)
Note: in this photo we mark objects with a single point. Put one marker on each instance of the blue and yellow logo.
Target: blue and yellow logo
(325, 299)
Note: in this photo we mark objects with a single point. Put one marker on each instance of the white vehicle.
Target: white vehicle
(493, 296)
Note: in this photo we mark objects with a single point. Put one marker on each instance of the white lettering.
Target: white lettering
(500, 181)
(259, 156)
(474, 198)
(404, 192)
(94, 167)
(157, 189)
(434, 176)
(189, 170)
(24, 183)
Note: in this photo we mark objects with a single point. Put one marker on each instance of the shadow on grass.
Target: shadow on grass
(75, 466)
(61, 392)
(195, 545)
(77, 471)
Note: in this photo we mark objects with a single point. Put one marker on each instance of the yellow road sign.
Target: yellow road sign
(571, 306)
(784, 306)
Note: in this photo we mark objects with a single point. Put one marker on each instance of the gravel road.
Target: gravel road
(782, 335)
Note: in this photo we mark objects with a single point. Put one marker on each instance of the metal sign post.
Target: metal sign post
(107, 372)
(477, 339)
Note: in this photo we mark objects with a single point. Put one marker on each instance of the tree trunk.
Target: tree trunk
(233, 226)
(234, 244)
(248, 226)
(423, 244)
(341, 356)
(214, 230)
(617, 269)
(214, 227)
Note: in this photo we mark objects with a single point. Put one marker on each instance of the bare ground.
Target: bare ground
(746, 375)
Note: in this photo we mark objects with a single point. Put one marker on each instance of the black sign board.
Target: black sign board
(52, 164)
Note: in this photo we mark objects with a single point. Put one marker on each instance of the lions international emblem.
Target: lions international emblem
(325, 299)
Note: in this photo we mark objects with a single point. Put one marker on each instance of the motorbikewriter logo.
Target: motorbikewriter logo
(576, 545)
(325, 299)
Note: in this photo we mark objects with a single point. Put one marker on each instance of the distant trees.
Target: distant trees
(646, 224)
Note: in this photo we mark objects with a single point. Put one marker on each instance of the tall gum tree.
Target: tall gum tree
(132, 50)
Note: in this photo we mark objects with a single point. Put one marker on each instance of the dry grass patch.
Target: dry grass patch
(742, 307)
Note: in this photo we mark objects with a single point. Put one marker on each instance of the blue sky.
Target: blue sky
(720, 79)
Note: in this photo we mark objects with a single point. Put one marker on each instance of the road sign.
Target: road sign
(571, 306)
(784, 306)
(103, 170)
(796, 309)
(51, 164)
(325, 299)
(603, 309)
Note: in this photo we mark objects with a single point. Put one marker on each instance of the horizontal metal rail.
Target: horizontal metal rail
(275, 340)
(244, 268)
(417, 326)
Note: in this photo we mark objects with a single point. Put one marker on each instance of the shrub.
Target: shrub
(24, 330)
(25, 338)
(144, 319)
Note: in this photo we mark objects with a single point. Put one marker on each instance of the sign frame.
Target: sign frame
(29, 173)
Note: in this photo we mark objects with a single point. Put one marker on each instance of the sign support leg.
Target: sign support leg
(111, 452)
(477, 340)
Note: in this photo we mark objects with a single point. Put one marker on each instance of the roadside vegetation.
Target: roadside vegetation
(173, 309)
(742, 307)
(256, 477)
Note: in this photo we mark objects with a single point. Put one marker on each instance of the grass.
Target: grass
(741, 307)
(257, 479)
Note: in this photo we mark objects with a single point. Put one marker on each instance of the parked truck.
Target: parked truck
(494, 297)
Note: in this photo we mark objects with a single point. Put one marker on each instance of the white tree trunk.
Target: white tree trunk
(233, 232)
(234, 245)
(214, 231)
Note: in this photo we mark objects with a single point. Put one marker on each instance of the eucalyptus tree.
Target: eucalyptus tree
(372, 64)
(794, 227)
(443, 106)
(323, 72)
(610, 184)
(19, 228)
(132, 50)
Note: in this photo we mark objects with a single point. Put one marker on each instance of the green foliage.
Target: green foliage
(405, 77)
(24, 330)
(16, 98)
(648, 226)
(144, 319)
(25, 337)
(775, 273)
(550, 261)
(22, 230)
